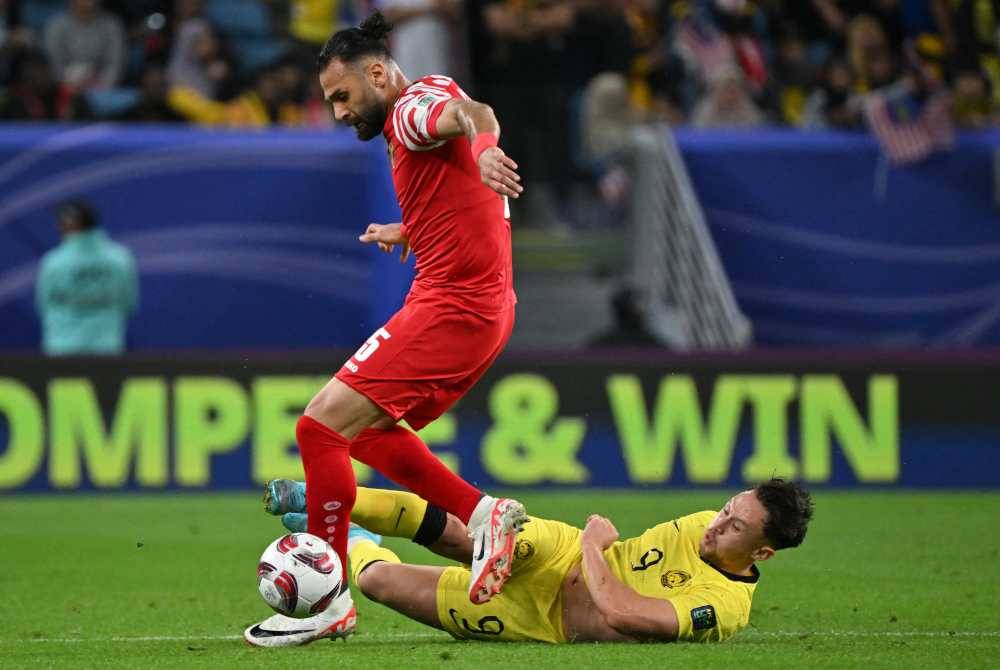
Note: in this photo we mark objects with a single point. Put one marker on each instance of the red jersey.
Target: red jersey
(457, 226)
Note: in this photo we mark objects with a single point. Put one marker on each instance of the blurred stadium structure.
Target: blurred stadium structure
(689, 304)
(741, 203)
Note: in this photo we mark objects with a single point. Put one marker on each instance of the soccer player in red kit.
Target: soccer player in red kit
(452, 181)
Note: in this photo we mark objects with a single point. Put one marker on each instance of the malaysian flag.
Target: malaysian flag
(910, 129)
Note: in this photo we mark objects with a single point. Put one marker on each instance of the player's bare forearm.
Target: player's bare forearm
(623, 609)
(478, 123)
(466, 117)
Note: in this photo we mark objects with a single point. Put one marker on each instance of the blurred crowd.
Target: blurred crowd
(910, 70)
(708, 63)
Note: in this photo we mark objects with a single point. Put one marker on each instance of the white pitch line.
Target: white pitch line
(443, 636)
(198, 638)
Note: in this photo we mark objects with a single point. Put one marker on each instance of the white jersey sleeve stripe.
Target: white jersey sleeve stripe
(412, 113)
(416, 125)
(402, 132)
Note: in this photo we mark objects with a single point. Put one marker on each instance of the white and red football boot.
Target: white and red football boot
(339, 620)
(493, 527)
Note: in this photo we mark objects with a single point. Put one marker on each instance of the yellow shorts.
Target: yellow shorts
(530, 605)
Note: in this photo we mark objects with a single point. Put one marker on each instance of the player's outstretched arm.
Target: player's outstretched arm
(477, 122)
(624, 610)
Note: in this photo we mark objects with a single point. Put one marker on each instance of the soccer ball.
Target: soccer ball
(299, 574)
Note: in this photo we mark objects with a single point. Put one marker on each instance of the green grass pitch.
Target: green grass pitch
(884, 579)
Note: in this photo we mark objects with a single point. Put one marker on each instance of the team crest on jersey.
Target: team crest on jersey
(524, 549)
(674, 578)
(703, 618)
(426, 101)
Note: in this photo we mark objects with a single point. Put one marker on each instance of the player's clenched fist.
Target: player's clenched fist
(599, 532)
(497, 170)
(387, 236)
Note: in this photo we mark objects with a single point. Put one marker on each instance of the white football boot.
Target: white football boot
(337, 621)
(494, 525)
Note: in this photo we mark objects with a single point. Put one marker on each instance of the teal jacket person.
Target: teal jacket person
(86, 290)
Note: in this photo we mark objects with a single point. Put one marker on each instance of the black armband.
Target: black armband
(432, 527)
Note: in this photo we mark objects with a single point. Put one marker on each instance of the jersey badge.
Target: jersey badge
(524, 550)
(674, 578)
(703, 618)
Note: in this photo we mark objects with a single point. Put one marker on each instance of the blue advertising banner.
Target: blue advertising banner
(613, 420)
(248, 240)
(825, 243)
(242, 239)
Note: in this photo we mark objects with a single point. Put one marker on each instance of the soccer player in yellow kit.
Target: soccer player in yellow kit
(689, 579)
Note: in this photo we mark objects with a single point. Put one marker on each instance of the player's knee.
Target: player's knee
(375, 581)
(323, 406)
(342, 409)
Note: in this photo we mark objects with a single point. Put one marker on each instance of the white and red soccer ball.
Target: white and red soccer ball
(299, 575)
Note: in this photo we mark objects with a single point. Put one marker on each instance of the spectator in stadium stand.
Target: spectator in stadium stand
(974, 27)
(424, 38)
(649, 86)
(87, 288)
(834, 104)
(793, 80)
(974, 107)
(607, 118)
(198, 61)
(716, 34)
(518, 51)
(266, 103)
(152, 106)
(742, 23)
(15, 39)
(870, 55)
(36, 95)
(728, 103)
(308, 24)
(86, 45)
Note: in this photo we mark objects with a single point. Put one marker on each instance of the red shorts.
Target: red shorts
(425, 358)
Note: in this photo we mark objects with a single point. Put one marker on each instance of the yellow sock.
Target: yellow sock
(365, 552)
(389, 513)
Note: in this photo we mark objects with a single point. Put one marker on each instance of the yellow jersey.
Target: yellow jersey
(664, 563)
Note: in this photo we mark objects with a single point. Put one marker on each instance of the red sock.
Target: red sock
(330, 481)
(404, 458)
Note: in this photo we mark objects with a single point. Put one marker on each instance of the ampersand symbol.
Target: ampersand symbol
(529, 443)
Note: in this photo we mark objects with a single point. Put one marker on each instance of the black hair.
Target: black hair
(368, 39)
(80, 212)
(789, 510)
